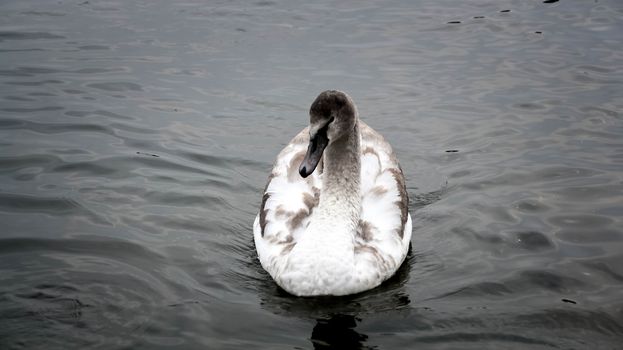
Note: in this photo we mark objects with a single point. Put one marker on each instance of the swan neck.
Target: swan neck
(341, 197)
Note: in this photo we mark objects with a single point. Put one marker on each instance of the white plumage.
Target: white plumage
(343, 228)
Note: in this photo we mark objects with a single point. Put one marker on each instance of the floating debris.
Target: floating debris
(550, 1)
(148, 154)
(569, 301)
(454, 22)
(505, 11)
(452, 150)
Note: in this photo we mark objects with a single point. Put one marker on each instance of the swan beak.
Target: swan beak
(317, 144)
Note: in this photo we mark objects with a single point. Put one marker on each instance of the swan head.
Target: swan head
(331, 116)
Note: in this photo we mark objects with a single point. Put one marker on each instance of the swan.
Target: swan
(334, 217)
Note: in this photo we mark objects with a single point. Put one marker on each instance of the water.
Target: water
(136, 137)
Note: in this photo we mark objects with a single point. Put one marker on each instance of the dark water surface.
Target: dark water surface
(136, 137)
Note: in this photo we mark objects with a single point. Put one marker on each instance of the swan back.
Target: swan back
(381, 239)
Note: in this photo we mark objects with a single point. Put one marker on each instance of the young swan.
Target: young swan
(334, 215)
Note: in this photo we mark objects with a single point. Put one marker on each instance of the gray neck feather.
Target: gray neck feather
(340, 198)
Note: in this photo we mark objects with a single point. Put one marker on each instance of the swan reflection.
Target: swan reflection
(337, 318)
(338, 332)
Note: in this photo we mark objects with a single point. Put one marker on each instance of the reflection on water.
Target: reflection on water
(337, 332)
(135, 140)
(336, 318)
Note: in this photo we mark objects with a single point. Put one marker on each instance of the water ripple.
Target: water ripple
(5, 35)
(135, 142)
(45, 300)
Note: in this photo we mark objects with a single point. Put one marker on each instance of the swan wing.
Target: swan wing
(287, 203)
(384, 231)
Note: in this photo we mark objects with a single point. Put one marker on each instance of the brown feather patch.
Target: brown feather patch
(311, 201)
(263, 213)
(403, 202)
(265, 197)
(367, 249)
(297, 219)
(362, 249)
(287, 248)
(378, 190)
(366, 230)
(274, 239)
(280, 212)
(370, 150)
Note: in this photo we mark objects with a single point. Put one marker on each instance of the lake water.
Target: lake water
(136, 138)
